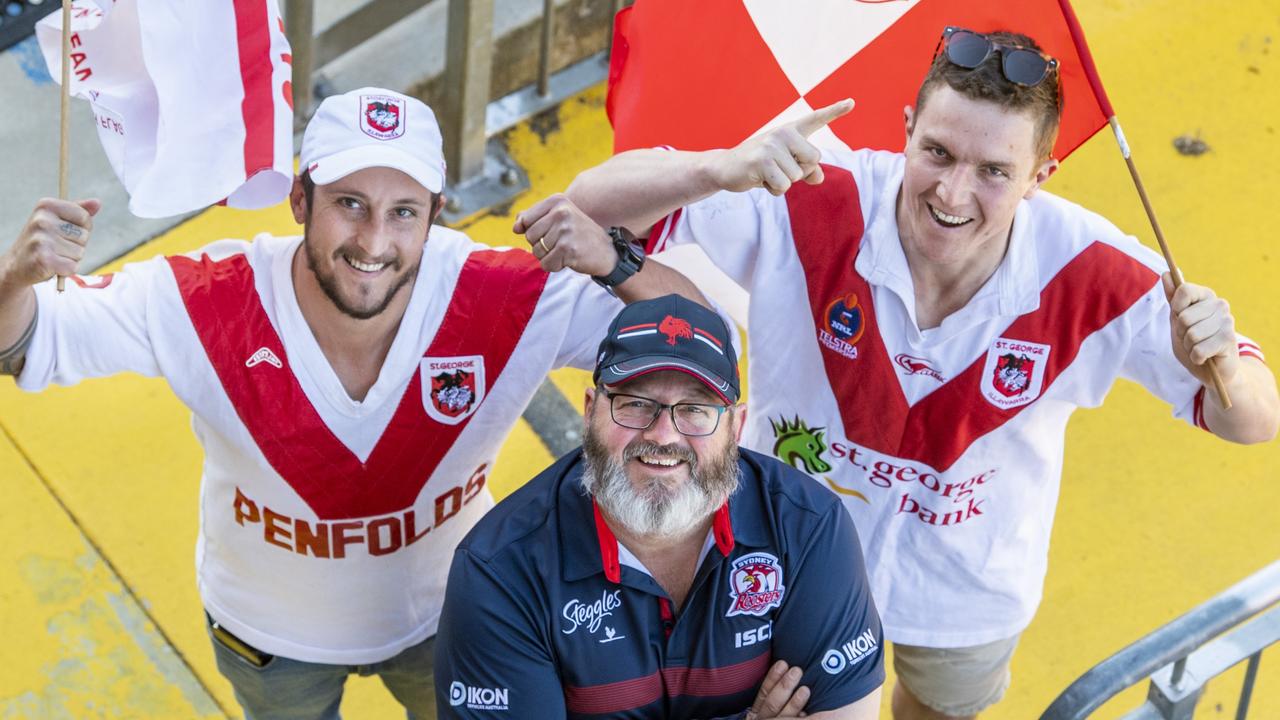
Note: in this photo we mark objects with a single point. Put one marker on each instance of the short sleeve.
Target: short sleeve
(490, 659)
(588, 309)
(828, 622)
(730, 227)
(99, 326)
(1150, 361)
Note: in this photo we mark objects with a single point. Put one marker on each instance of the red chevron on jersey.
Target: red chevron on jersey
(827, 225)
(492, 302)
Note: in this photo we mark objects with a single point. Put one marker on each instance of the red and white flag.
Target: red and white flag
(711, 73)
(192, 99)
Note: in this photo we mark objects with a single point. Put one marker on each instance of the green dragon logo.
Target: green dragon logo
(798, 442)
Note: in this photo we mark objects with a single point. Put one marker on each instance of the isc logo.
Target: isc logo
(751, 637)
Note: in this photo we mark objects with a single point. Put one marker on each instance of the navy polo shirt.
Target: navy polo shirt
(542, 619)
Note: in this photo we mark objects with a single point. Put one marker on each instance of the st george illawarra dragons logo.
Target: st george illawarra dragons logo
(452, 387)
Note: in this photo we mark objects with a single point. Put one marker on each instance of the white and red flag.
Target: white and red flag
(192, 99)
(711, 73)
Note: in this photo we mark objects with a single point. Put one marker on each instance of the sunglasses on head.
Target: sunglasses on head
(1021, 65)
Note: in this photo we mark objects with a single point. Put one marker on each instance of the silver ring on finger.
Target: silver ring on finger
(542, 243)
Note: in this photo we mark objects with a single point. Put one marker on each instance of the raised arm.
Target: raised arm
(561, 236)
(52, 242)
(638, 188)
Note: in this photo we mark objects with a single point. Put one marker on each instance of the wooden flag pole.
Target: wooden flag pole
(1095, 82)
(1164, 246)
(66, 112)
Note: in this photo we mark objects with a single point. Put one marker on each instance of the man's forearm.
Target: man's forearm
(17, 322)
(1255, 408)
(655, 280)
(638, 188)
(17, 328)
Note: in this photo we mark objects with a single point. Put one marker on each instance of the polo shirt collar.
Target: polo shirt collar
(588, 546)
(1014, 289)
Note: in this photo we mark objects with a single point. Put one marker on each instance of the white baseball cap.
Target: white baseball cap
(373, 127)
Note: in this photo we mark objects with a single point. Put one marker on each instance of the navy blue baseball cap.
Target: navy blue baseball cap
(669, 333)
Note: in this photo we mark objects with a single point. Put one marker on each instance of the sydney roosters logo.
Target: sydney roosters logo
(674, 327)
(755, 585)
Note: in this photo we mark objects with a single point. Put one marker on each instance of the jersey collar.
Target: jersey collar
(721, 530)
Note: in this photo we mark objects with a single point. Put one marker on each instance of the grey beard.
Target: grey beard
(654, 510)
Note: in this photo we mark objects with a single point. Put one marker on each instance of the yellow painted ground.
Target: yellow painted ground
(100, 481)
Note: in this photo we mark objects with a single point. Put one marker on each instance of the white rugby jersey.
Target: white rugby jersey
(328, 525)
(945, 444)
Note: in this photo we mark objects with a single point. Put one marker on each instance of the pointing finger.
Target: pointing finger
(818, 119)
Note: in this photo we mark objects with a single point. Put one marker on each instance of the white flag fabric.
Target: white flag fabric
(192, 99)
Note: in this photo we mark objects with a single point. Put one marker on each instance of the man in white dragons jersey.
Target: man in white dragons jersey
(351, 389)
(923, 324)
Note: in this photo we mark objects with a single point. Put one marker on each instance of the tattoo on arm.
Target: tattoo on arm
(13, 358)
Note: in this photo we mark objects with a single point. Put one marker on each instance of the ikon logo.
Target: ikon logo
(478, 698)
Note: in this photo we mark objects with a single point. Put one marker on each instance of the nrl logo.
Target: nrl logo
(382, 116)
(452, 388)
(842, 326)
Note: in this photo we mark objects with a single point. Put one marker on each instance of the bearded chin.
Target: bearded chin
(654, 509)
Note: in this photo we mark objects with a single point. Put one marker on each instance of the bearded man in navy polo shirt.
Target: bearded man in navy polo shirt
(661, 571)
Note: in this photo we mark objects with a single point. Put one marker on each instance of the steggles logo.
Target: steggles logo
(578, 613)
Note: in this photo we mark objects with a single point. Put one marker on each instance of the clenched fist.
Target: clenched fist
(562, 236)
(51, 243)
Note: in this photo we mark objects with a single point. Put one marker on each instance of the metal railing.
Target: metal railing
(480, 172)
(1183, 656)
(18, 19)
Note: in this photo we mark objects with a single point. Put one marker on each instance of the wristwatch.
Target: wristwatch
(630, 258)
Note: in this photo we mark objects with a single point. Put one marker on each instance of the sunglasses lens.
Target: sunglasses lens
(1024, 67)
(967, 49)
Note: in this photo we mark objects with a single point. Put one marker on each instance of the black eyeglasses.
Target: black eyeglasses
(1021, 65)
(638, 413)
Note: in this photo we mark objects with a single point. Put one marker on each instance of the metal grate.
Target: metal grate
(18, 19)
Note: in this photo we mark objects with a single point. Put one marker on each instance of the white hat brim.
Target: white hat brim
(341, 164)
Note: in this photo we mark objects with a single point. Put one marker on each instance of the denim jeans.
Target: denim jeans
(285, 689)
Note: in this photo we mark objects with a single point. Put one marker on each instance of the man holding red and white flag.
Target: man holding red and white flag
(923, 318)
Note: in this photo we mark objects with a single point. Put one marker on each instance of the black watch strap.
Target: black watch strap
(630, 258)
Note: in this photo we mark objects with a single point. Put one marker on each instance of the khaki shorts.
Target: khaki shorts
(956, 681)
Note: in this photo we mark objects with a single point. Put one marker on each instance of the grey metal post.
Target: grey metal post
(300, 28)
(468, 62)
(544, 55)
(1246, 692)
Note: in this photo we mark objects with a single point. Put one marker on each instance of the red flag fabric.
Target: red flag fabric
(711, 73)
